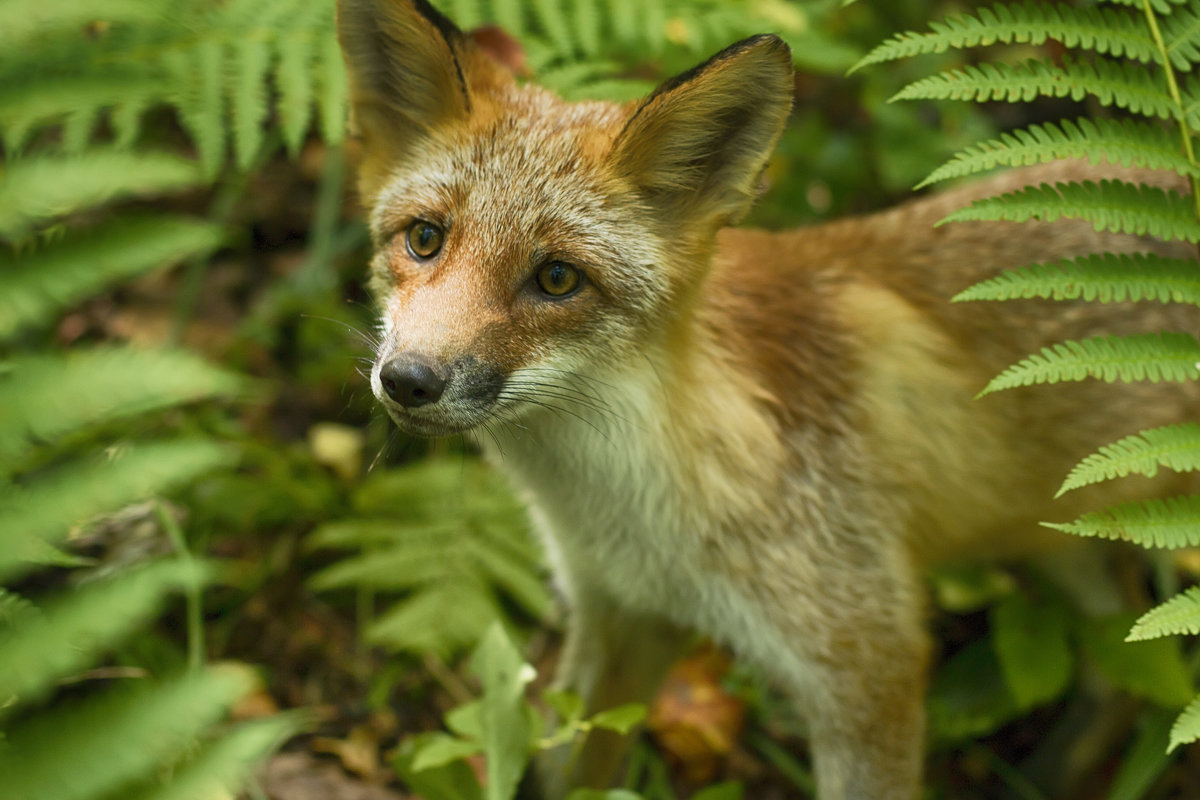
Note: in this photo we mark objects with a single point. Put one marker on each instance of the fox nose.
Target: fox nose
(411, 381)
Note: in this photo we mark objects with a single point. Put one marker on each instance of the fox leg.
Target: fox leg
(612, 656)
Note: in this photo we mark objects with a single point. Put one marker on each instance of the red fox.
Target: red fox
(766, 437)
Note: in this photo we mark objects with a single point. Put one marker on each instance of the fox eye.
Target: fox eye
(424, 239)
(558, 278)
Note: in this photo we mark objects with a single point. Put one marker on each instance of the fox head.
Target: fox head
(521, 240)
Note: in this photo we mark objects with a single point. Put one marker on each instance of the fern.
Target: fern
(1152, 356)
(1112, 205)
(1103, 277)
(1175, 447)
(447, 537)
(1180, 614)
(1131, 59)
(1171, 522)
(1128, 142)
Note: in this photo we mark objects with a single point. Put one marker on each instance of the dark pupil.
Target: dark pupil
(425, 237)
(558, 275)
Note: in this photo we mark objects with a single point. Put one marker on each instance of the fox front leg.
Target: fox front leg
(612, 656)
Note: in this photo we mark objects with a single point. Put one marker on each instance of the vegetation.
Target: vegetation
(193, 479)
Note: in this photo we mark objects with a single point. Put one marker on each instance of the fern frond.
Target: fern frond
(1176, 447)
(220, 768)
(1181, 33)
(35, 285)
(38, 189)
(1153, 357)
(295, 87)
(14, 609)
(1127, 142)
(45, 397)
(1113, 83)
(1102, 277)
(1171, 522)
(45, 510)
(248, 98)
(1187, 727)
(446, 618)
(1180, 614)
(157, 724)
(22, 20)
(28, 105)
(76, 629)
(1111, 205)
(1160, 6)
(333, 100)
(1099, 30)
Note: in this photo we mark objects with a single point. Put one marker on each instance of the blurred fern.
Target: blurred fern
(449, 542)
(1132, 58)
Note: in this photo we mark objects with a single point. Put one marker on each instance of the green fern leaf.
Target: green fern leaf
(157, 724)
(626, 20)
(1110, 205)
(1180, 614)
(14, 609)
(36, 285)
(1125, 85)
(1102, 277)
(1154, 357)
(75, 630)
(295, 88)
(22, 20)
(332, 93)
(1181, 32)
(588, 25)
(219, 769)
(509, 15)
(1171, 522)
(1161, 6)
(1099, 30)
(551, 19)
(197, 78)
(1176, 447)
(251, 60)
(28, 105)
(46, 397)
(1126, 142)
(1187, 727)
(447, 618)
(46, 509)
(37, 189)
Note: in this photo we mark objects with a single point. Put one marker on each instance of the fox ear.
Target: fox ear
(696, 147)
(405, 67)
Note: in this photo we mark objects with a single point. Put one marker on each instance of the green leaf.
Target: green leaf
(251, 60)
(440, 749)
(46, 397)
(1187, 727)
(1030, 640)
(36, 285)
(1176, 447)
(71, 633)
(1153, 357)
(156, 723)
(1180, 614)
(1144, 760)
(1170, 522)
(296, 88)
(621, 719)
(444, 619)
(1110, 205)
(504, 675)
(729, 790)
(452, 781)
(968, 696)
(1154, 670)
(38, 189)
(1101, 277)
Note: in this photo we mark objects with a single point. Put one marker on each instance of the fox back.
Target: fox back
(764, 437)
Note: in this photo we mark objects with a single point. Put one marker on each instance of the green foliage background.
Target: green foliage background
(181, 315)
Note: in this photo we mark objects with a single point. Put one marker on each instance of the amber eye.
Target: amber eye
(424, 239)
(558, 279)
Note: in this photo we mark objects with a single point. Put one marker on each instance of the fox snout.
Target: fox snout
(428, 396)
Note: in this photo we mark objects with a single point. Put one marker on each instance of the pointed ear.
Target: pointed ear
(405, 64)
(696, 147)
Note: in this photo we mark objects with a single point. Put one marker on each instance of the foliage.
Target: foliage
(1131, 59)
(450, 537)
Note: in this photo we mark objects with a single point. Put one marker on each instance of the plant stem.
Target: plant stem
(1185, 132)
(192, 595)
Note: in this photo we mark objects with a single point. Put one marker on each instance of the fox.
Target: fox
(765, 437)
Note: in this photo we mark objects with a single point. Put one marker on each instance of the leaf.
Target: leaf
(452, 781)
(1171, 522)
(968, 696)
(729, 790)
(1154, 670)
(1144, 759)
(1030, 641)
(1176, 447)
(621, 719)
(251, 60)
(37, 189)
(1110, 205)
(71, 632)
(1179, 614)
(504, 675)
(157, 722)
(440, 749)
(1154, 357)
(1187, 727)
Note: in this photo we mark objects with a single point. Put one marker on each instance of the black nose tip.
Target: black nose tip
(411, 382)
